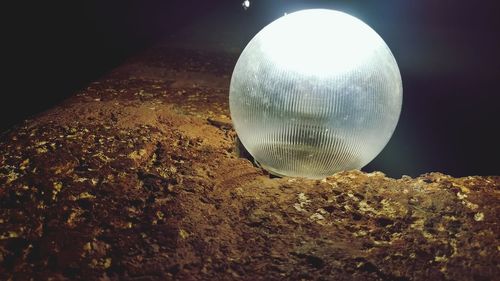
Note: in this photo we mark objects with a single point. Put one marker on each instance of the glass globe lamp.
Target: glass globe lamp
(315, 92)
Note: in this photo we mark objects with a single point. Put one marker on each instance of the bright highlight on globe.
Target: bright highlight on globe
(315, 92)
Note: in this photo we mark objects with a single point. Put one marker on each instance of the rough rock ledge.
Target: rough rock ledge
(137, 177)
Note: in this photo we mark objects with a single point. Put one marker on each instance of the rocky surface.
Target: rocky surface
(137, 177)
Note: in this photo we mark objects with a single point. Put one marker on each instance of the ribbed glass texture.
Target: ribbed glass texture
(315, 92)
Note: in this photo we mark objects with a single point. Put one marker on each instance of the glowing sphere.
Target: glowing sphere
(315, 92)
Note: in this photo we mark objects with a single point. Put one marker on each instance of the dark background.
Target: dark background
(448, 53)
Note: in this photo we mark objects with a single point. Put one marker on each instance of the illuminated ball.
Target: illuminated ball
(315, 92)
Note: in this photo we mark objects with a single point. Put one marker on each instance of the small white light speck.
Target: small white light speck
(246, 4)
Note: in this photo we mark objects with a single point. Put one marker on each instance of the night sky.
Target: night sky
(448, 53)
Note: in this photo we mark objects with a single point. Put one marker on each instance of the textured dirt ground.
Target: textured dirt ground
(137, 178)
